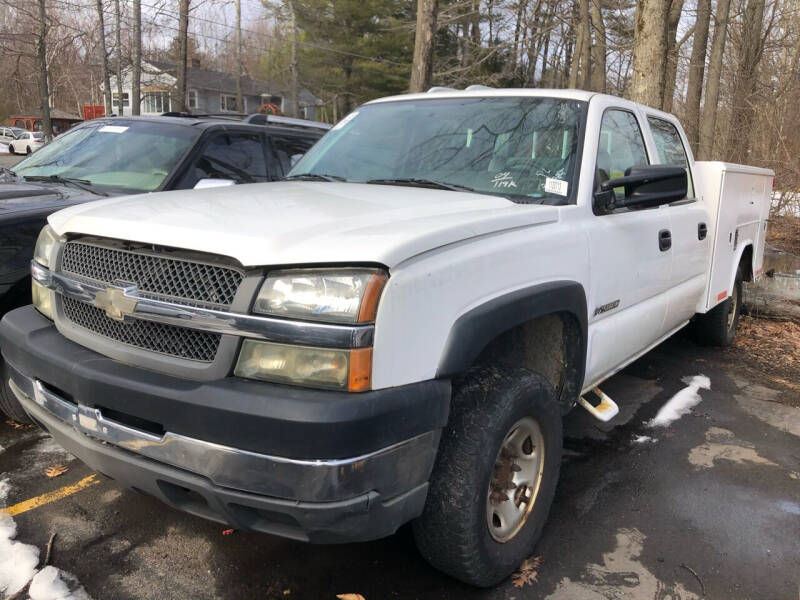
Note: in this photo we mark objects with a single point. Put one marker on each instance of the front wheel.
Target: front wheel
(29, 150)
(495, 476)
(11, 149)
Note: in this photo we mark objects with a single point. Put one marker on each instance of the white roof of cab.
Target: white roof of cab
(489, 93)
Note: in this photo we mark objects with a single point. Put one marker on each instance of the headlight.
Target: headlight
(334, 295)
(302, 365)
(44, 246)
(42, 299)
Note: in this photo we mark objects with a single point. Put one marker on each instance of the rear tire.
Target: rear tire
(488, 442)
(718, 326)
(29, 150)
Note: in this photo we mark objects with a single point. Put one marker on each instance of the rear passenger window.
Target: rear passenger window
(287, 151)
(621, 146)
(670, 148)
(236, 156)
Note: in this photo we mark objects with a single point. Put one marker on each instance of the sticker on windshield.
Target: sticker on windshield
(345, 121)
(112, 129)
(504, 179)
(555, 186)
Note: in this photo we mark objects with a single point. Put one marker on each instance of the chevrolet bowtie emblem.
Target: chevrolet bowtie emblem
(116, 301)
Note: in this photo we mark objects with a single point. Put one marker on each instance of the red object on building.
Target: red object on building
(32, 120)
(93, 111)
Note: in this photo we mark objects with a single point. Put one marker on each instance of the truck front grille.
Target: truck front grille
(159, 275)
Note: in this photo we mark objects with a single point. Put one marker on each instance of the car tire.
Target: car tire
(460, 530)
(9, 405)
(28, 150)
(11, 149)
(718, 326)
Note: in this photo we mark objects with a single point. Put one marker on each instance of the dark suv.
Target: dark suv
(132, 155)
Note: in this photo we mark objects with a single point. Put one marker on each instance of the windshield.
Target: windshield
(37, 136)
(126, 157)
(521, 148)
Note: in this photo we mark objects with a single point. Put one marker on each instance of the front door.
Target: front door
(630, 266)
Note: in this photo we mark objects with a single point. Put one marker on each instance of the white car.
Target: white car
(9, 134)
(26, 142)
(393, 333)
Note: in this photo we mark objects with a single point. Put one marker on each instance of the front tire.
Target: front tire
(718, 326)
(29, 150)
(494, 477)
(11, 149)
(9, 403)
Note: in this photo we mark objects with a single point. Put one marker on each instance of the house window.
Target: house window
(125, 99)
(191, 99)
(155, 102)
(227, 103)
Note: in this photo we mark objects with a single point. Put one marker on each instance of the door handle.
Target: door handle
(664, 240)
(702, 231)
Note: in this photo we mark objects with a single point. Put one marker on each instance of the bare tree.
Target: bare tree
(118, 23)
(708, 123)
(598, 48)
(697, 66)
(136, 67)
(239, 102)
(179, 100)
(424, 38)
(671, 69)
(41, 52)
(649, 52)
(104, 57)
(293, 64)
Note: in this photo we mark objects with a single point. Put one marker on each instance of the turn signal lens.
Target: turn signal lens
(44, 246)
(42, 299)
(303, 365)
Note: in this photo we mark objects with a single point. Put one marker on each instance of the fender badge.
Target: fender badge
(606, 307)
(116, 301)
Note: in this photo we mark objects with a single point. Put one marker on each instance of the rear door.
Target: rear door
(630, 271)
(689, 224)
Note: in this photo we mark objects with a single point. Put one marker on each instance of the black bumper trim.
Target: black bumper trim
(254, 416)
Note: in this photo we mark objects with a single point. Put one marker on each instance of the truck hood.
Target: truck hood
(20, 197)
(302, 222)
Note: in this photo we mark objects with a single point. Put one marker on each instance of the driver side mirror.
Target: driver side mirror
(645, 186)
(210, 182)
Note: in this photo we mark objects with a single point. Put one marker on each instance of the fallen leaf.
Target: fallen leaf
(227, 531)
(528, 572)
(16, 425)
(350, 597)
(56, 470)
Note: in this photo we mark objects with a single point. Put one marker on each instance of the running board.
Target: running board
(605, 411)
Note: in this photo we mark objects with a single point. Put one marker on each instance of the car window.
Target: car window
(236, 156)
(287, 151)
(670, 148)
(621, 146)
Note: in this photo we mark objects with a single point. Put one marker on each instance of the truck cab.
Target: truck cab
(391, 334)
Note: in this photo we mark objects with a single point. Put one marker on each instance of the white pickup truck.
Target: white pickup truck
(394, 333)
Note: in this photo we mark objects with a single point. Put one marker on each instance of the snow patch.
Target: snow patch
(5, 487)
(18, 561)
(644, 439)
(54, 584)
(4, 148)
(682, 402)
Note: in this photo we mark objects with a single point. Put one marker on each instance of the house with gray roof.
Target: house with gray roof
(208, 91)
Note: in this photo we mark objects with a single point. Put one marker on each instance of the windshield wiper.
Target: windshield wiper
(78, 183)
(315, 177)
(428, 183)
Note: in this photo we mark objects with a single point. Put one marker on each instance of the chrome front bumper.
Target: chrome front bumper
(390, 471)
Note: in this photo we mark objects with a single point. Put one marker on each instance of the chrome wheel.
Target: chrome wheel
(515, 482)
(732, 309)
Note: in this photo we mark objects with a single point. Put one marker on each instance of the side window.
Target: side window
(286, 151)
(621, 146)
(670, 148)
(236, 156)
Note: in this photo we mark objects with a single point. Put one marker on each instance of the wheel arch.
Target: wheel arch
(493, 330)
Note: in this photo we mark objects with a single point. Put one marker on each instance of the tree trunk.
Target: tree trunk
(649, 52)
(41, 55)
(708, 122)
(577, 51)
(697, 66)
(179, 100)
(598, 49)
(424, 38)
(672, 54)
(239, 103)
(118, 42)
(293, 64)
(739, 133)
(104, 62)
(136, 67)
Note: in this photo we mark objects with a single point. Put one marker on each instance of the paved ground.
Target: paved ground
(9, 160)
(710, 507)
